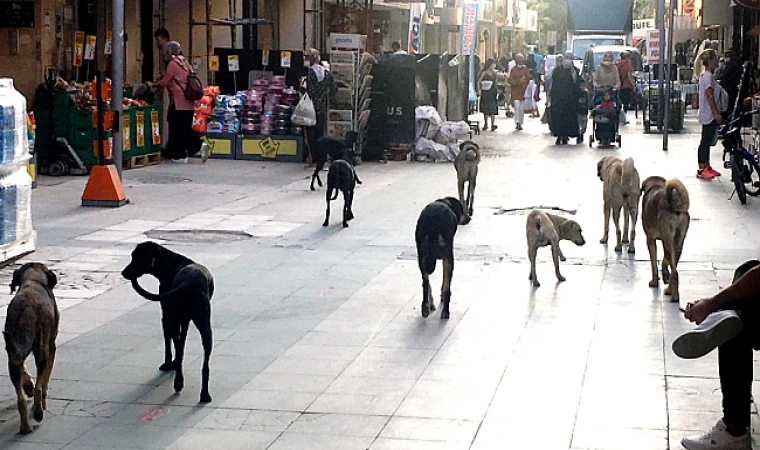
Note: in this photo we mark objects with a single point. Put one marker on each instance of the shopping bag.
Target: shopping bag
(304, 115)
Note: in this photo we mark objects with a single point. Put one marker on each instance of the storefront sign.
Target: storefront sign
(108, 49)
(140, 128)
(266, 147)
(265, 58)
(285, 58)
(89, 49)
(17, 14)
(551, 37)
(233, 63)
(640, 27)
(653, 47)
(155, 126)
(532, 18)
(78, 48)
(469, 27)
(213, 63)
(125, 132)
(751, 4)
(347, 41)
(416, 10)
(269, 148)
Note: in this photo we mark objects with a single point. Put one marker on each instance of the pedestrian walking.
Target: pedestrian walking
(320, 86)
(709, 114)
(606, 74)
(627, 80)
(728, 321)
(564, 100)
(487, 91)
(182, 141)
(518, 80)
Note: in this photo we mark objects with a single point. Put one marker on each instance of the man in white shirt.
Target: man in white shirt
(396, 47)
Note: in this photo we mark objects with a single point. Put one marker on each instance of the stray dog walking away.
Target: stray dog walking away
(665, 217)
(621, 190)
(31, 326)
(185, 291)
(543, 230)
(341, 177)
(466, 165)
(434, 236)
(334, 149)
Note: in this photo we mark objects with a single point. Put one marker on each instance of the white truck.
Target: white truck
(598, 22)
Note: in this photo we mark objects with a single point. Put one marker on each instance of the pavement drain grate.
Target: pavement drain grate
(200, 236)
(159, 179)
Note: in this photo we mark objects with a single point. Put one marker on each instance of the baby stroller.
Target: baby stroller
(605, 124)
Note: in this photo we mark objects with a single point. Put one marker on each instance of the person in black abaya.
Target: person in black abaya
(729, 79)
(564, 98)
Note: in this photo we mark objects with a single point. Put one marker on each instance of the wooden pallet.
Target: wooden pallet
(148, 159)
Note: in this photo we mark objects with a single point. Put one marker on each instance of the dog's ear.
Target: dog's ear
(455, 206)
(16, 280)
(51, 277)
(599, 168)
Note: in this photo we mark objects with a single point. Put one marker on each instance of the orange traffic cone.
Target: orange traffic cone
(104, 188)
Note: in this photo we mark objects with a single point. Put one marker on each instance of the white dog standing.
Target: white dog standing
(543, 230)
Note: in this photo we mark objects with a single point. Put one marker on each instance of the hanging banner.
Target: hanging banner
(265, 58)
(89, 49)
(416, 10)
(653, 47)
(285, 58)
(78, 49)
(108, 49)
(233, 63)
(469, 40)
(213, 63)
(532, 17)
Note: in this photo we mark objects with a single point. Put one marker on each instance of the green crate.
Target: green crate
(62, 98)
(128, 91)
(80, 135)
(84, 152)
(80, 118)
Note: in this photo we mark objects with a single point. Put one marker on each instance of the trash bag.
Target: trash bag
(451, 132)
(427, 121)
(304, 114)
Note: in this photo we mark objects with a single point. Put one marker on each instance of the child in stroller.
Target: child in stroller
(606, 118)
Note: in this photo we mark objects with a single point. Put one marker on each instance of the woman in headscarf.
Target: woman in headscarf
(487, 91)
(607, 75)
(320, 87)
(518, 80)
(564, 97)
(183, 141)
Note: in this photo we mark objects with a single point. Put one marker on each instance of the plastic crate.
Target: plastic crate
(62, 98)
(128, 91)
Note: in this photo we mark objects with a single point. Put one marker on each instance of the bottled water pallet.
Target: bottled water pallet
(14, 250)
(148, 159)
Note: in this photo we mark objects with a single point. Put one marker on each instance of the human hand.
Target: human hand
(149, 84)
(719, 119)
(698, 311)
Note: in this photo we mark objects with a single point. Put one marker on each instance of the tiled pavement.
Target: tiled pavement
(318, 339)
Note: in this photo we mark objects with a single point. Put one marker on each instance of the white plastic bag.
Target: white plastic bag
(304, 115)
(452, 132)
(427, 121)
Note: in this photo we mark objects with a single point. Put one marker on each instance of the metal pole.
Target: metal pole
(666, 124)
(117, 77)
(209, 37)
(660, 17)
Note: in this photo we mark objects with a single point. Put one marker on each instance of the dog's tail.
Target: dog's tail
(630, 177)
(333, 193)
(677, 195)
(470, 154)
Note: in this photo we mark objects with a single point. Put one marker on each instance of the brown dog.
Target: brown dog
(543, 230)
(466, 165)
(621, 190)
(31, 326)
(665, 217)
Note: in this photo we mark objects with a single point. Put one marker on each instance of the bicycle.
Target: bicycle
(745, 170)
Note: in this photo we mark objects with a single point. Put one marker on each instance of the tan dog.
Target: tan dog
(621, 190)
(665, 216)
(544, 229)
(31, 326)
(466, 165)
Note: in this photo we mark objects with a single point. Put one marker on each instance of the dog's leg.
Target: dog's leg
(606, 235)
(346, 202)
(448, 272)
(16, 373)
(179, 377)
(48, 372)
(41, 357)
(204, 327)
(666, 265)
(631, 244)
(561, 255)
(327, 212)
(652, 247)
(471, 196)
(555, 256)
(678, 241)
(350, 208)
(618, 237)
(168, 364)
(426, 295)
(626, 222)
(532, 252)
(356, 177)
(26, 382)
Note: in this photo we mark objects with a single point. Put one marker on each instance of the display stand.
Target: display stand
(351, 68)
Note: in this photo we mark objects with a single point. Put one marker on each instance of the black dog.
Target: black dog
(185, 290)
(341, 177)
(335, 149)
(435, 232)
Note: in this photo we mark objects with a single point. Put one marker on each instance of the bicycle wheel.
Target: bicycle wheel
(737, 165)
(752, 178)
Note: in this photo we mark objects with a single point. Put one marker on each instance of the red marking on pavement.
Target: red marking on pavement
(149, 415)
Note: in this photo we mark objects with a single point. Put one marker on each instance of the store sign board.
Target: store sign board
(108, 49)
(78, 49)
(285, 59)
(347, 41)
(653, 47)
(18, 14)
(89, 49)
(469, 28)
(233, 63)
(751, 4)
(265, 58)
(213, 63)
(416, 11)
